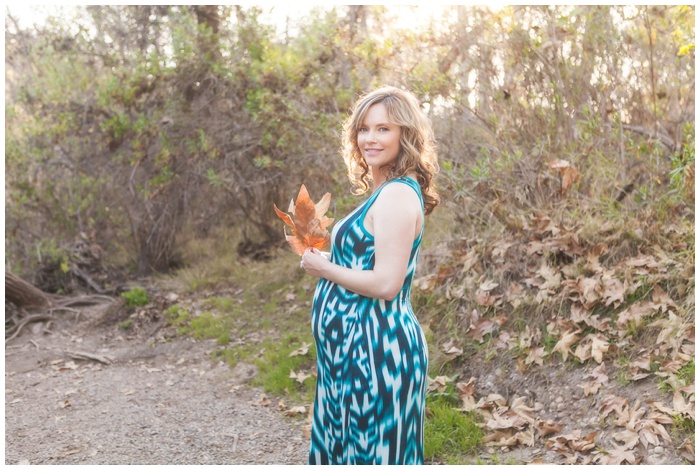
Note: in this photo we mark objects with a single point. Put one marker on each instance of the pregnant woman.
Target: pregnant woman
(372, 357)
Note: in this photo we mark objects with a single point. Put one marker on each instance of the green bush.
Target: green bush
(135, 298)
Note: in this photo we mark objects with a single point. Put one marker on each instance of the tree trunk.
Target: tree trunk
(23, 294)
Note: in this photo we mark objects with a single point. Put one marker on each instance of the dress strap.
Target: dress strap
(414, 184)
(401, 179)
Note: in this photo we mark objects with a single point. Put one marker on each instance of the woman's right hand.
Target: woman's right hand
(313, 261)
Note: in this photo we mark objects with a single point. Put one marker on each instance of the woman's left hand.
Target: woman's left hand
(313, 261)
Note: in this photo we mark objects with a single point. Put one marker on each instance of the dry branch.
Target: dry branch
(89, 356)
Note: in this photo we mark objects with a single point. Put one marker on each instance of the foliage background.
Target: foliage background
(135, 126)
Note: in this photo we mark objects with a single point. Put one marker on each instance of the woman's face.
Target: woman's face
(377, 138)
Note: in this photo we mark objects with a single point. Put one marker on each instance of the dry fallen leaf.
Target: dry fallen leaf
(536, 355)
(583, 351)
(613, 403)
(627, 437)
(569, 174)
(650, 430)
(564, 344)
(306, 431)
(688, 450)
(302, 351)
(549, 427)
(467, 393)
(681, 407)
(451, 350)
(508, 420)
(299, 376)
(295, 410)
(264, 401)
(519, 407)
(439, 383)
(590, 387)
(308, 222)
(479, 328)
(575, 441)
(488, 286)
(619, 455)
(599, 346)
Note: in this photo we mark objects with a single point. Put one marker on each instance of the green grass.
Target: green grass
(220, 303)
(684, 425)
(451, 436)
(274, 367)
(686, 374)
(211, 325)
(178, 316)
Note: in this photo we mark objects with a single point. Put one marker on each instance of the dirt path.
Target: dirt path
(156, 402)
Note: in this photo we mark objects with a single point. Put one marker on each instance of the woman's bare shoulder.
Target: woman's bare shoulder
(397, 194)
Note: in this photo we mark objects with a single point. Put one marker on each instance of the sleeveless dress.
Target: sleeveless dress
(372, 360)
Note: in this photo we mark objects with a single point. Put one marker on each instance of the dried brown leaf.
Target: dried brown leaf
(263, 401)
(306, 431)
(661, 298)
(500, 438)
(525, 437)
(613, 290)
(549, 427)
(620, 455)
(650, 431)
(590, 387)
(479, 327)
(519, 407)
(488, 286)
(302, 351)
(583, 351)
(613, 403)
(536, 355)
(299, 376)
(467, 393)
(599, 346)
(308, 222)
(627, 437)
(569, 174)
(567, 340)
(439, 383)
(509, 420)
(574, 441)
(600, 374)
(682, 407)
(634, 313)
(295, 410)
(687, 449)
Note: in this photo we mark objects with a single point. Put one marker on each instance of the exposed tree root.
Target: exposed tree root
(45, 305)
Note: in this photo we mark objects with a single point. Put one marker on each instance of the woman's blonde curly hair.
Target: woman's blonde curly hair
(417, 150)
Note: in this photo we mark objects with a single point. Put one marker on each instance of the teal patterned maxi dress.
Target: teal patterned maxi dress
(372, 360)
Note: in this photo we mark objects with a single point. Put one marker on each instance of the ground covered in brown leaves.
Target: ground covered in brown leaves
(568, 342)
